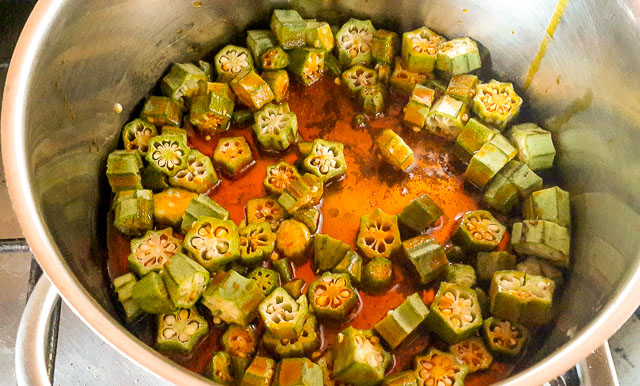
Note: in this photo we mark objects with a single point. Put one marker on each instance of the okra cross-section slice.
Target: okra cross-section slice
(351, 264)
(420, 49)
(302, 193)
(384, 73)
(179, 331)
(404, 80)
(461, 274)
(133, 212)
(168, 154)
(394, 150)
(256, 243)
(202, 206)
(136, 135)
(152, 251)
(326, 160)
(522, 177)
(298, 371)
(535, 145)
(353, 42)
(384, 46)
(543, 239)
(504, 337)
(240, 341)
(439, 368)
(210, 113)
(501, 195)
(401, 322)
(379, 235)
(265, 209)
(479, 231)
(162, 111)
(199, 174)
(274, 58)
(419, 214)
(507, 295)
(282, 315)
(182, 80)
(169, 206)
(233, 298)
(416, 111)
(319, 35)
(357, 77)
(463, 88)
(550, 204)
(447, 117)
(279, 176)
(260, 372)
(213, 242)
(305, 344)
(403, 378)
(538, 310)
(488, 263)
(233, 155)
(472, 353)
(496, 103)
(472, 137)
(488, 161)
(534, 266)
(327, 252)
(427, 257)
(123, 170)
(231, 61)
(331, 296)
(185, 280)
(307, 64)
(150, 293)
(293, 239)
(267, 279)
(458, 56)
(276, 128)
(359, 358)
(289, 28)
(455, 313)
(377, 275)
(278, 81)
(252, 90)
(265, 49)
(221, 370)
(371, 99)
(123, 286)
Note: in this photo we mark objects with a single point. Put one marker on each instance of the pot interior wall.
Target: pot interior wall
(101, 53)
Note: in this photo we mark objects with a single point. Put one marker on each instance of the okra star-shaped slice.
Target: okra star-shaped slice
(439, 368)
(266, 52)
(384, 46)
(307, 64)
(240, 341)
(123, 170)
(472, 353)
(379, 235)
(326, 160)
(199, 174)
(152, 251)
(496, 103)
(377, 275)
(420, 49)
(302, 193)
(136, 135)
(233, 155)
(267, 279)
(371, 99)
(427, 257)
(279, 176)
(353, 42)
(162, 111)
(504, 337)
(282, 315)
(212, 242)
(168, 154)
(293, 240)
(479, 231)
(404, 80)
(331, 296)
(265, 209)
(256, 243)
(305, 344)
(252, 90)
(182, 80)
(402, 321)
(458, 56)
(447, 117)
(359, 358)
(179, 331)
(231, 61)
(358, 76)
(233, 298)
(210, 113)
(535, 145)
(185, 280)
(276, 128)
(455, 313)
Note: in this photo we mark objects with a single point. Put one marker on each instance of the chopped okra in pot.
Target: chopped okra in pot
(338, 204)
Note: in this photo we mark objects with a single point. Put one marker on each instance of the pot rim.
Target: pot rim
(608, 321)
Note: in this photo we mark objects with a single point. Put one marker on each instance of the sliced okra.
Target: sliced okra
(267, 279)
(152, 251)
(331, 64)
(420, 49)
(162, 111)
(354, 41)
(488, 263)
(326, 160)
(484, 301)
(150, 293)
(328, 252)
(289, 28)
(447, 117)
(123, 286)
(307, 64)
(404, 80)
(265, 209)
(463, 88)
(379, 235)
(168, 154)
(202, 206)
(384, 73)
(538, 310)
(403, 378)
(240, 341)
(472, 353)
(232, 60)
(136, 135)
(298, 371)
(504, 337)
(282, 315)
(461, 274)
(233, 155)
(252, 90)
(260, 372)
(133, 212)
(543, 239)
(351, 264)
(199, 175)
(293, 240)
(152, 179)
(534, 266)
(496, 103)
(211, 112)
(182, 80)
(266, 52)
(221, 370)
(233, 298)
(419, 214)
(207, 68)
(242, 117)
(331, 296)
(384, 46)
(416, 111)
(212, 242)
(283, 267)
(169, 206)
(173, 130)
(302, 193)
(458, 56)
(304, 344)
(185, 280)
(479, 231)
(472, 137)
(507, 295)
(377, 275)
(394, 150)
(276, 128)
(240, 364)
(455, 313)
(358, 76)
(501, 195)
(550, 204)
(488, 161)
(319, 35)
(535, 145)
(257, 242)
(525, 180)
(371, 99)
(180, 330)
(304, 148)
(402, 321)
(123, 170)
(455, 254)
(278, 81)
(294, 287)
(359, 358)
(309, 217)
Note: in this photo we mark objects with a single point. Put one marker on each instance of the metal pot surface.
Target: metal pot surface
(76, 59)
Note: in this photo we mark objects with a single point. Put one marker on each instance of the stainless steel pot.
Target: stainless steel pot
(76, 59)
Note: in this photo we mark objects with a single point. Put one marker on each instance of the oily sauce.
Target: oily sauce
(325, 110)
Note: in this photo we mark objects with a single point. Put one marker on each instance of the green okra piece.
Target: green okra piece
(331, 296)
(458, 56)
(504, 337)
(297, 371)
(199, 175)
(351, 264)
(233, 155)
(534, 266)
(328, 252)
(162, 111)
(260, 372)
(123, 286)
(488, 263)
(472, 353)
(359, 358)
(173, 130)
(543, 239)
(384, 73)
(394, 150)
(233, 298)
(309, 217)
(282, 315)
(185, 280)
(207, 68)
(472, 137)
(319, 35)
(265, 209)
(326, 363)
(182, 80)
(304, 345)
(331, 64)
(488, 161)
(402, 321)
(279, 176)
(455, 254)
(496, 103)
(240, 342)
(283, 267)
(326, 160)
(133, 214)
(242, 117)
(358, 76)
(257, 242)
(252, 90)
(535, 145)
(123, 170)
(379, 235)
(437, 367)
(154, 180)
(455, 313)
(212, 111)
(302, 193)
(508, 299)
(439, 85)
(239, 365)
(180, 330)
(136, 135)
(151, 295)
(377, 275)
(169, 206)
(359, 120)
(550, 204)
(152, 251)
(354, 41)
(417, 109)
(202, 206)
(278, 81)
(293, 240)
(484, 301)
(501, 195)
(462, 87)
(479, 231)
(461, 274)
(274, 58)
(420, 49)
(403, 80)
(371, 99)
(419, 214)
(266, 52)
(307, 64)
(168, 154)
(427, 257)
(241, 269)
(538, 310)
(212, 242)
(294, 287)
(403, 378)
(289, 28)
(276, 128)
(231, 61)
(384, 46)
(447, 117)
(524, 179)
(221, 370)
